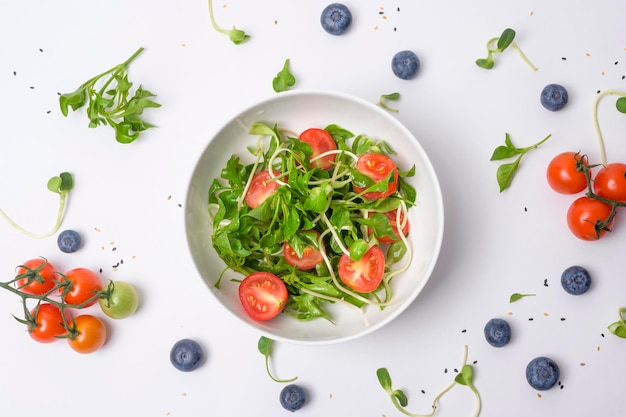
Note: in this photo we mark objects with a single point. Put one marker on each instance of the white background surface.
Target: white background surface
(129, 197)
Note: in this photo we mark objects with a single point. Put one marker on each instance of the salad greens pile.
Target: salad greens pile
(308, 201)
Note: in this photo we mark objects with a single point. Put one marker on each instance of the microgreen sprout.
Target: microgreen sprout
(265, 348)
(236, 36)
(108, 102)
(517, 296)
(507, 171)
(620, 105)
(501, 43)
(619, 327)
(400, 400)
(284, 80)
(60, 185)
(385, 97)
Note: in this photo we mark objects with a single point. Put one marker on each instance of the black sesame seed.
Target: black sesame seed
(525, 209)
(40, 50)
(562, 318)
(49, 111)
(32, 87)
(456, 370)
(602, 334)
(114, 249)
(563, 58)
(545, 282)
(14, 72)
(530, 319)
(381, 12)
(616, 62)
(623, 76)
(474, 363)
(121, 261)
(100, 270)
(423, 392)
(398, 9)
(562, 386)
(445, 371)
(464, 331)
(116, 265)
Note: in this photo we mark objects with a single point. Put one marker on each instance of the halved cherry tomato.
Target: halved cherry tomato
(49, 323)
(585, 214)
(261, 188)
(263, 295)
(40, 273)
(563, 176)
(392, 216)
(377, 167)
(320, 141)
(85, 285)
(610, 182)
(365, 274)
(90, 334)
(310, 257)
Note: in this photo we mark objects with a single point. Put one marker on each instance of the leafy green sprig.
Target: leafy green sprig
(502, 42)
(400, 400)
(265, 348)
(507, 171)
(61, 185)
(108, 102)
(236, 36)
(382, 102)
(619, 327)
(284, 80)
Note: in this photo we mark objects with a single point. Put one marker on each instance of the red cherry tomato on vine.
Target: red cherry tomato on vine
(41, 273)
(610, 182)
(585, 214)
(377, 167)
(49, 323)
(263, 295)
(310, 257)
(563, 176)
(85, 284)
(262, 186)
(320, 141)
(90, 334)
(365, 274)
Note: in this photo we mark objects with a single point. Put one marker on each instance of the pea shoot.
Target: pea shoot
(400, 400)
(236, 36)
(502, 42)
(265, 348)
(383, 99)
(284, 80)
(108, 102)
(619, 327)
(507, 171)
(61, 185)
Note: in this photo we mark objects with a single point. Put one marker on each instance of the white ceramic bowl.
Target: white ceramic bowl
(297, 111)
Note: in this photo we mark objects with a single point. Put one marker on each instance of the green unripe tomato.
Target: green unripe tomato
(121, 301)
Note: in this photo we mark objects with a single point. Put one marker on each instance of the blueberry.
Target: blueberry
(542, 373)
(575, 280)
(292, 397)
(405, 64)
(336, 18)
(186, 355)
(69, 241)
(497, 332)
(554, 97)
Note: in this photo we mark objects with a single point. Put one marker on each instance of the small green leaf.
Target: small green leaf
(384, 97)
(486, 63)
(238, 36)
(503, 152)
(384, 378)
(620, 104)
(506, 172)
(284, 80)
(358, 249)
(505, 39)
(517, 296)
(618, 329)
(401, 396)
(265, 345)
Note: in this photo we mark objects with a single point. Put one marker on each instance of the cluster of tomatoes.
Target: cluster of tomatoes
(54, 303)
(592, 215)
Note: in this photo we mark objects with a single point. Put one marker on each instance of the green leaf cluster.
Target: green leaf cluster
(507, 171)
(309, 202)
(108, 101)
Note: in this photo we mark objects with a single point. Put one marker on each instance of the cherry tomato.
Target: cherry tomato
(563, 176)
(320, 141)
(122, 300)
(377, 167)
(49, 323)
(261, 188)
(263, 295)
(85, 284)
(365, 274)
(610, 182)
(392, 216)
(310, 257)
(584, 214)
(42, 276)
(90, 334)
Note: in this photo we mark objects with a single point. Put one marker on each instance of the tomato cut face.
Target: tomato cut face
(310, 257)
(262, 186)
(365, 274)
(393, 221)
(37, 276)
(377, 167)
(320, 141)
(585, 214)
(562, 174)
(610, 182)
(263, 295)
